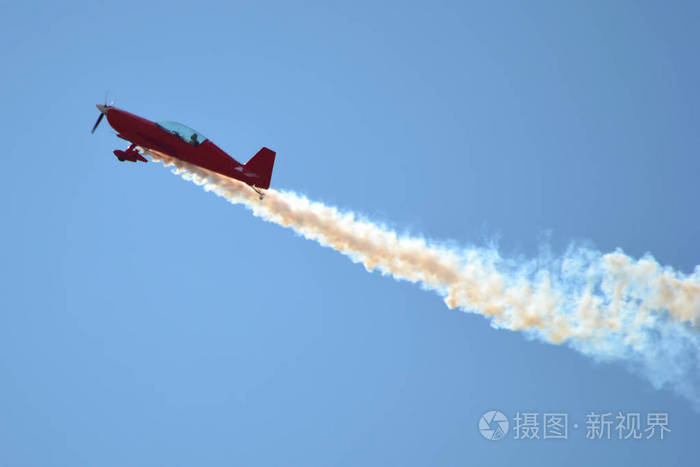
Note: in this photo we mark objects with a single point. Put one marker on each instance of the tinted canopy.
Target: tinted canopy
(184, 132)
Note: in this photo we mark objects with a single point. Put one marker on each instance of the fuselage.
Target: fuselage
(202, 152)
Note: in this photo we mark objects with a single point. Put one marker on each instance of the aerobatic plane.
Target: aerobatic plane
(184, 143)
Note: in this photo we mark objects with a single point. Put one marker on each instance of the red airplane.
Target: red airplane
(186, 144)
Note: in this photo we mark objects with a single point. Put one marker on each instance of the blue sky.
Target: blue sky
(147, 322)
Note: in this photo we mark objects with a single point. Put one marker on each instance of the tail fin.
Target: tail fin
(261, 165)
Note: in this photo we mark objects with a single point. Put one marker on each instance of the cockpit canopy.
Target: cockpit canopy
(184, 132)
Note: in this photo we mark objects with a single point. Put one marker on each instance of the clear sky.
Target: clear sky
(145, 322)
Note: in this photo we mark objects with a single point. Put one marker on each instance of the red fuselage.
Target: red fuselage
(203, 153)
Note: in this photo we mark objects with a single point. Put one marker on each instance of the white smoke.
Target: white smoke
(608, 306)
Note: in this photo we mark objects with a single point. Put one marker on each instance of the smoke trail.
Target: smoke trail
(607, 306)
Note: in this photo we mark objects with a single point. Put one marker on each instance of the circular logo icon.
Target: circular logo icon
(493, 425)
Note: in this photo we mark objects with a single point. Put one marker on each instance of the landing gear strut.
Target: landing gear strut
(262, 195)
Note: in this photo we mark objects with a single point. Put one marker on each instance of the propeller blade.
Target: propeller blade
(99, 119)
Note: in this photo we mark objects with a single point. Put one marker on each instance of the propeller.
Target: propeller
(103, 110)
(99, 119)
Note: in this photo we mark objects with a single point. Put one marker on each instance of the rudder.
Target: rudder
(261, 165)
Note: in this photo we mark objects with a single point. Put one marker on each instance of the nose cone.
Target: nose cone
(102, 108)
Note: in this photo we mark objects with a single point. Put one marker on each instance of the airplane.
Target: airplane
(184, 143)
